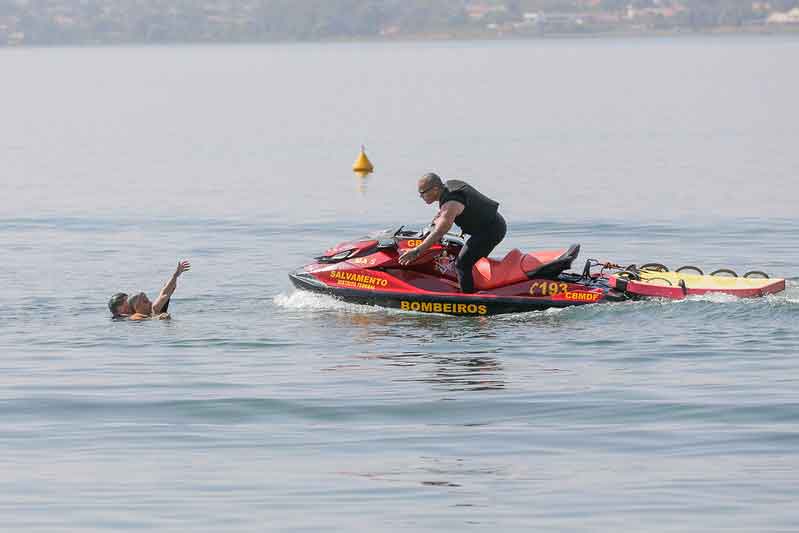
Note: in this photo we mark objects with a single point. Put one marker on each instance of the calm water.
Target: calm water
(259, 408)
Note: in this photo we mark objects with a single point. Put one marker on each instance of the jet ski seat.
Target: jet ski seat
(515, 267)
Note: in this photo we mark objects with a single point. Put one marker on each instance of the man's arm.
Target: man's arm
(443, 222)
(170, 287)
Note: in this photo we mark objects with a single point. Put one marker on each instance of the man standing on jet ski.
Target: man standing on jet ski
(476, 215)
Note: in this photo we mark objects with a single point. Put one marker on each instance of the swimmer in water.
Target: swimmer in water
(143, 308)
(139, 307)
(119, 306)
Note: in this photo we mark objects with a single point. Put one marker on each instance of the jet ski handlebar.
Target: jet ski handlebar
(402, 233)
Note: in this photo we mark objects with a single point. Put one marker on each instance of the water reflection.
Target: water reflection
(466, 372)
(453, 354)
(444, 472)
(362, 182)
(372, 324)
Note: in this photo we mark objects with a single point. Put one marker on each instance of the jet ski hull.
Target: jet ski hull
(561, 293)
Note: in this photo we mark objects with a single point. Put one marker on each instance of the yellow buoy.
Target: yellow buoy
(362, 165)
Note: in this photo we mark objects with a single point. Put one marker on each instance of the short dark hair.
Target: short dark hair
(116, 301)
(433, 180)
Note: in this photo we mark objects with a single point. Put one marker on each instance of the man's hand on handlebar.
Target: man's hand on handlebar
(409, 256)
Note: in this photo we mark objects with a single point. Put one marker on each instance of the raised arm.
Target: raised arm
(169, 288)
(444, 220)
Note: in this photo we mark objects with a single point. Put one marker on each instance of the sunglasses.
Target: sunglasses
(425, 191)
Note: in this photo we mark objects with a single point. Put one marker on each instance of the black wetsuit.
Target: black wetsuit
(480, 220)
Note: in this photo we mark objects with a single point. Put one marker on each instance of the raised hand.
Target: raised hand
(183, 266)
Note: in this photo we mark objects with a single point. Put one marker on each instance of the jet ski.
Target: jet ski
(367, 271)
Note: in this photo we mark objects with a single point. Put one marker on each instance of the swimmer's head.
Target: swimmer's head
(141, 304)
(118, 305)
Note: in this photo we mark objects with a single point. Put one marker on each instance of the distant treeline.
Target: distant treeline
(101, 21)
(310, 19)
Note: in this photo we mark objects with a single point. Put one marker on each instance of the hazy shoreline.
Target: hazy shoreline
(445, 37)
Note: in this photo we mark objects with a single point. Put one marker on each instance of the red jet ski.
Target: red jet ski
(367, 271)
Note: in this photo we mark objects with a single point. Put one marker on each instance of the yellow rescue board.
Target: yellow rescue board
(695, 281)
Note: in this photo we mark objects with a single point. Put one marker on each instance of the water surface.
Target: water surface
(261, 408)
